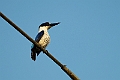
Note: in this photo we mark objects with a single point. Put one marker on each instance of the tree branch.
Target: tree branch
(63, 67)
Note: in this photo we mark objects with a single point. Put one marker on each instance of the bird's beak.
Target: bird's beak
(53, 24)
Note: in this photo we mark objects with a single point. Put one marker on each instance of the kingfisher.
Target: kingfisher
(42, 38)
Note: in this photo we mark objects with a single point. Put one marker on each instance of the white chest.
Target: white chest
(45, 40)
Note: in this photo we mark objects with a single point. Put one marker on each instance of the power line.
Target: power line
(63, 67)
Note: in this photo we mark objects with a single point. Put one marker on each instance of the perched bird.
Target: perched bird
(42, 38)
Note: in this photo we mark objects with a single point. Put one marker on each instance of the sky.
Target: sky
(87, 40)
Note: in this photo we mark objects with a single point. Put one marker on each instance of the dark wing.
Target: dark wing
(34, 49)
(39, 36)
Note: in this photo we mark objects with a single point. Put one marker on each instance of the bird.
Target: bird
(42, 38)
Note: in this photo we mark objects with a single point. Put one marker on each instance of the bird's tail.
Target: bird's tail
(34, 51)
(33, 55)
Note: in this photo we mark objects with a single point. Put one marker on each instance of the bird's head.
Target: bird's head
(48, 25)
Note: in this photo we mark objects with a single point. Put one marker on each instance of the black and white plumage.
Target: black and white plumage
(42, 38)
